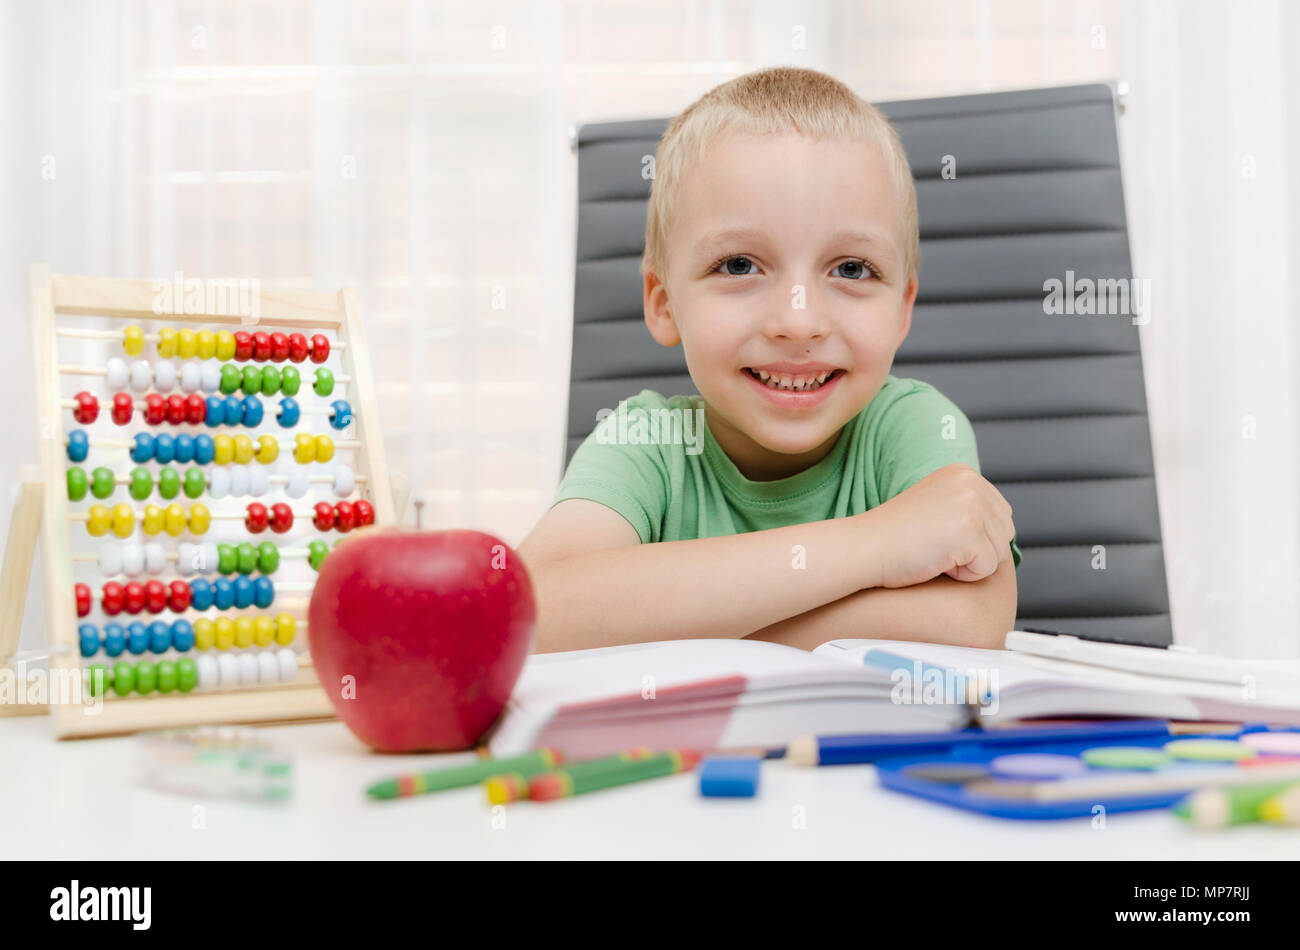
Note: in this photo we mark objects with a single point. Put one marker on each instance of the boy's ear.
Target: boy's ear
(909, 299)
(658, 318)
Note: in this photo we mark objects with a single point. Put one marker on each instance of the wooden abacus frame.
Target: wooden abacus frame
(54, 294)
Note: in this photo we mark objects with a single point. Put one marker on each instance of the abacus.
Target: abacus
(222, 429)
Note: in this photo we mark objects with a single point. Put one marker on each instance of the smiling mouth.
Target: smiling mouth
(784, 382)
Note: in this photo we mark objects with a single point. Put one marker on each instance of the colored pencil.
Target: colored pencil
(437, 780)
(564, 784)
(512, 786)
(1283, 809)
(1221, 807)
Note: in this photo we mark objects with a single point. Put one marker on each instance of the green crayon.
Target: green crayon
(564, 783)
(1232, 805)
(437, 780)
(513, 786)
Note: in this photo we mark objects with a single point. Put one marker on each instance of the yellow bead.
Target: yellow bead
(98, 520)
(268, 449)
(133, 341)
(200, 518)
(166, 342)
(205, 344)
(222, 450)
(243, 449)
(153, 520)
(123, 521)
(324, 448)
(284, 629)
(185, 344)
(203, 633)
(244, 633)
(263, 631)
(174, 520)
(225, 345)
(304, 448)
(225, 633)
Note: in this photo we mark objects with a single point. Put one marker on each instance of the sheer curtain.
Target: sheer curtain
(420, 151)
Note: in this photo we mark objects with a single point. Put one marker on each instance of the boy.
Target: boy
(826, 498)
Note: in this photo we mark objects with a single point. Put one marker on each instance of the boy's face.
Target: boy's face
(785, 265)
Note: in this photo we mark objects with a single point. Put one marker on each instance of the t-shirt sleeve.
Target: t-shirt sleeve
(919, 432)
(632, 479)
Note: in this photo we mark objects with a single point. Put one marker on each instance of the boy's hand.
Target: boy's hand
(951, 522)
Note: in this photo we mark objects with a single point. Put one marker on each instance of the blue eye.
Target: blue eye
(729, 261)
(860, 270)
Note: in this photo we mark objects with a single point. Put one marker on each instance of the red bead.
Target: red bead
(298, 347)
(320, 348)
(243, 346)
(261, 347)
(155, 409)
(83, 599)
(281, 518)
(87, 410)
(365, 512)
(279, 347)
(155, 597)
(196, 408)
(345, 516)
(114, 598)
(123, 408)
(324, 519)
(180, 596)
(176, 409)
(134, 597)
(257, 518)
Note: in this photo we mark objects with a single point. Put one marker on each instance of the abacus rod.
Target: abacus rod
(79, 334)
(72, 369)
(271, 479)
(223, 516)
(175, 555)
(141, 405)
(123, 444)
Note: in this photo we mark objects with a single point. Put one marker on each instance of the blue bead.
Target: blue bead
(160, 636)
(243, 591)
(114, 639)
(234, 410)
(78, 445)
(143, 450)
(224, 592)
(263, 591)
(341, 417)
(89, 634)
(289, 411)
(252, 411)
(164, 448)
(137, 638)
(200, 594)
(182, 635)
(184, 448)
(216, 414)
(205, 449)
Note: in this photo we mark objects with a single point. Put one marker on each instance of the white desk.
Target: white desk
(76, 799)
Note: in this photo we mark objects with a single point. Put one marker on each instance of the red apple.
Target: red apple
(418, 637)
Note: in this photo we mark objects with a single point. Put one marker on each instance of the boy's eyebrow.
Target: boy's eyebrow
(727, 235)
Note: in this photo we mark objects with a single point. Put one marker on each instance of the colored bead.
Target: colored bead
(185, 344)
(200, 594)
(164, 376)
(175, 409)
(191, 377)
(298, 347)
(219, 486)
(140, 485)
(133, 341)
(205, 345)
(196, 408)
(242, 447)
(153, 520)
(209, 675)
(224, 450)
(142, 451)
(243, 346)
(289, 412)
(141, 376)
(259, 482)
(169, 481)
(268, 557)
(270, 380)
(243, 591)
(232, 413)
(166, 342)
(123, 677)
(243, 632)
(183, 632)
(281, 518)
(324, 382)
(263, 631)
(187, 674)
(164, 448)
(341, 414)
(76, 484)
(224, 637)
(82, 593)
(116, 373)
(263, 590)
(268, 449)
(114, 639)
(183, 448)
(320, 348)
(324, 448)
(132, 560)
(98, 521)
(252, 411)
(285, 627)
(155, 596)
(298, 482)
(209, 377)
(231, 378)
(101, 482)
(146, 677)
(204, 449)
(87, 409)
(279, 347)
(257, 518)
(226, 559)
(203, 633)
(316, 552)
(195, 483)
(251, 383)
(88, 637)
(123, 521)
(304, 448)
(137, 638)
(166, 676)
(155, 558)
(133, 597)
(160, 637)
(78, 446)
(223, 593)
(155, 409)
(345, 516)
(246, 556)
(324, 517)
(290, 381)
(123, 409)
(174, 520)
(261, 347)
(344, 481)
(225, 345)
(179, 596)
(200, 518)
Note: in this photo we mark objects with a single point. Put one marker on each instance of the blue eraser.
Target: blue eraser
(729, 776)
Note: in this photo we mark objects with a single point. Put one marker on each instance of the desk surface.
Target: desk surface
(76, 799)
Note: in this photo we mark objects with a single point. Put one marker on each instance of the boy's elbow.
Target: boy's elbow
(995, 608)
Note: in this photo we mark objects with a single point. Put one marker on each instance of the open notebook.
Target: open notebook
(723, 694)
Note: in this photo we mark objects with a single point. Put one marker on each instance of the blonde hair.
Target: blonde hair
(779, 99)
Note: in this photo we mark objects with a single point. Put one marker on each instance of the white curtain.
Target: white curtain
(420, 151)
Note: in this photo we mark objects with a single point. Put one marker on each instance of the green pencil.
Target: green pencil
(512, 786)
(564, 783)
(419, 783)
(1220, 807)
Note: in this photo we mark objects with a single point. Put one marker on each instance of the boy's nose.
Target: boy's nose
(796, 317)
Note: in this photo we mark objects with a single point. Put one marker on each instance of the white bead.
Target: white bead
(210, 377)
(132, 560)
(297, 485)
(155, 558)
(239, 481)
(186, 555)
(247, 669)
(219, 483)
(209, 558)
(117, 373)
(190, 376)
(110, 560)
(141, 376)
(268, 670)
(288, 661)
(209, 673)
(164, 376)
(344, 481)
(258, 481)
(228, 671)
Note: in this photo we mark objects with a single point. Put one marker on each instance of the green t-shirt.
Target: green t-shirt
(655, 462)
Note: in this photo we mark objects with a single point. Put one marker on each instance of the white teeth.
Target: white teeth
(793, 383)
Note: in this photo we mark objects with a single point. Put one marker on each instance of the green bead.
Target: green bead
(101, 482)
(166, 676)
(187, 674)
(316, 552)
(290, 380)
(169, 482)
(76, 484)
(146, 677)
(99, 679)
(123, 677)
(230, 378)
(252, 381)
(268, 557)
(270, 380)
(324, 382)
(195, 483)
(247, 556)
(141, 485)
(225, 559)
